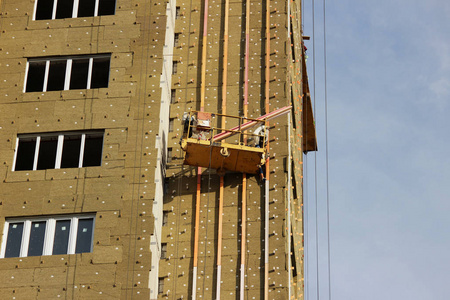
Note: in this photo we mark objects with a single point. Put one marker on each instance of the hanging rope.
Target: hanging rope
(326, 147)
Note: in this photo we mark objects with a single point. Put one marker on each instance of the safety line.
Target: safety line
(326, 147)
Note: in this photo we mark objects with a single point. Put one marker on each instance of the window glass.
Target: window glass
(25, 154)
(93, 150)
(47, 153)
(56, 75)
(106, 7)
(79, 75)
(84, 235)
(36, 74)
(44, 9)
(100, 73)
(71, 151)
(86, 8)
(37, 235)
(64, 9)
(14, 240)
(61, 241)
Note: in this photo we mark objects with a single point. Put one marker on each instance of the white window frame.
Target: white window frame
(74, 9)
(69, 60)
(59, 148)
(49, 233)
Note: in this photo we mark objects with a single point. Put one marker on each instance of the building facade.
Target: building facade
(95, 201)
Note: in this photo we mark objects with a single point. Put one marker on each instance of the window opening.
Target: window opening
(73, 8)
(36, 75)
(44, 9)
(61, 241)
(174, 67)
(79, 74)
(57, 74)
(86, 8)
(64, 9)
(84, 236)
(177, 12)
(176, 39)
(25, 154)
(47, 152)
(100, 73)
(165, 219)
(163, 250)
(93, 150)
(173, 94)
(169, 155)
(37, 234)
(106, 7)
(71, 151)
(59, 150)
(14, 239)
(160, 285)
(47, 236)
(171, 121)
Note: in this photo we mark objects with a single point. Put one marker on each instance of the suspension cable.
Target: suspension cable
(326, 147)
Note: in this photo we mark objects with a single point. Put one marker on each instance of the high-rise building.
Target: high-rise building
(98, 198)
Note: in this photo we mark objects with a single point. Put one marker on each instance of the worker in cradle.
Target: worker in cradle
(261, 134)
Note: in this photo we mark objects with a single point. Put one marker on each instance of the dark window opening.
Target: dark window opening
(56, 75)
(292, 42)
(61, 241)
(174, 67)
(25, 154)
(37, 234)
(63, 150)
(171, 121)
(86, 8)
(64, 9)
(71, 151)
(47, 153)
(177, 12)
(84, 235)
(169, 155)
(293, 264)
(100, 73)
(79, 74)
(176, 39)
(163, 250)
(93, 150)
(36, 75)
(106, 7)
(173, 94)
(44, 9)
(165, 219)
(14, 240)
(160, 285)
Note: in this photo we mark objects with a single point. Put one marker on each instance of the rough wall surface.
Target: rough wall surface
(125, 193)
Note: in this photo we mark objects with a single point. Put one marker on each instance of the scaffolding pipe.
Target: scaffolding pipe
(247, 125)
(219, 240)
(199, 169)
(244, 176)
(224, 111)
(266, 218)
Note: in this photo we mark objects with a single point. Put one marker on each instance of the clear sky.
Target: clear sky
(388, 137)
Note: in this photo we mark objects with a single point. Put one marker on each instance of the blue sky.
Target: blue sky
(388, 137)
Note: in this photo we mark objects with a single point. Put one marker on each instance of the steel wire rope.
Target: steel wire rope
(326, 148)
(316, 202)
(207, 212)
